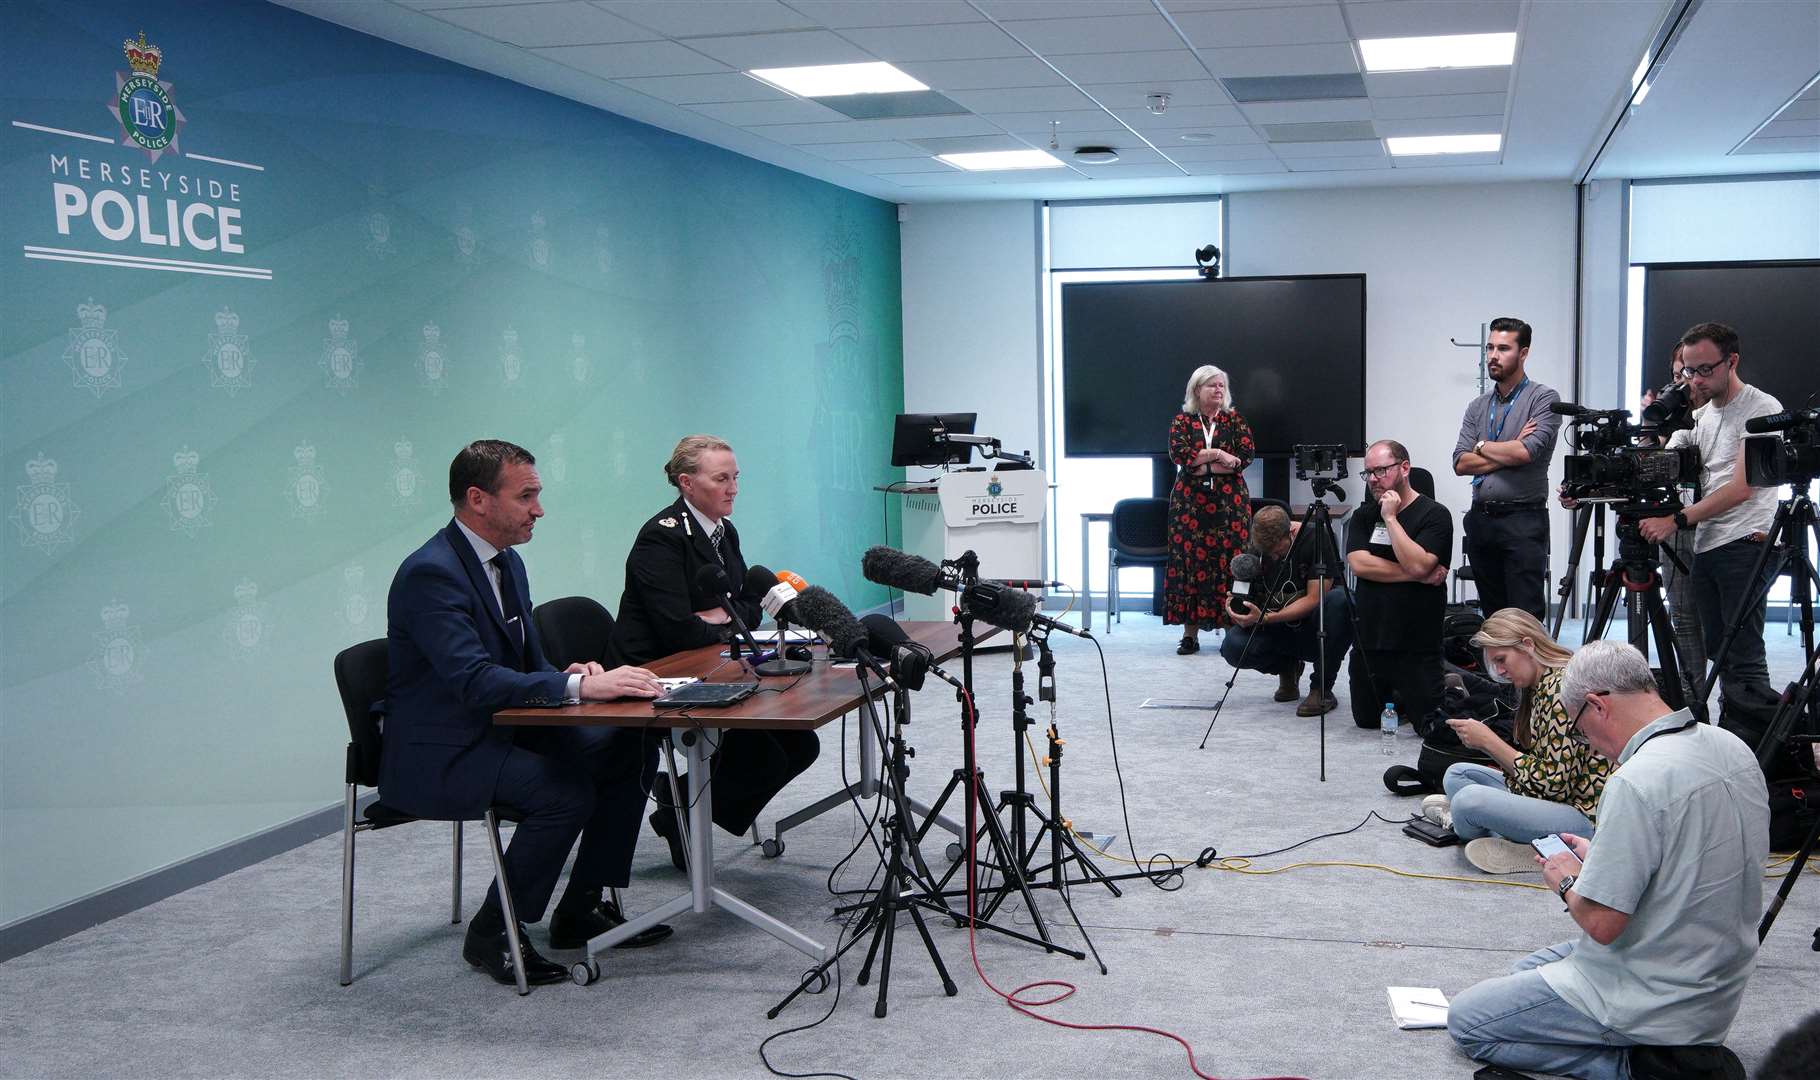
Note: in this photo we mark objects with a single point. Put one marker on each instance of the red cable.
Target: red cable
(1067, 989)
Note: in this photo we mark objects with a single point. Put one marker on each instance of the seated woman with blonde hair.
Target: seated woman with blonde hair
(1548, 783)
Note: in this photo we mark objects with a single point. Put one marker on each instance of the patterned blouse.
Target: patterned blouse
(1554, 767)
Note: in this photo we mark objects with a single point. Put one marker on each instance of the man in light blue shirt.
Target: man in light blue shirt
(1667, 895)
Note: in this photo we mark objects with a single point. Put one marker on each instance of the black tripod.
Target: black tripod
(1591, 515)
(1787, 546)
(906, 877)
(1807, 845)
(1633, 572)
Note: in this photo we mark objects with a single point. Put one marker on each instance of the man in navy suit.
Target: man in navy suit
(463, 646)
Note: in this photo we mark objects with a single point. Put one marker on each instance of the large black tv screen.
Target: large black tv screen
(1771, 305)
(1293, 348)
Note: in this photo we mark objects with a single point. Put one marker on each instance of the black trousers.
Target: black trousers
(753, 766)
(564, 782)
(1410, 680)
(1509, 556)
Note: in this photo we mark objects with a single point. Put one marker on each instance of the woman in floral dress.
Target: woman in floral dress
(1209, 506)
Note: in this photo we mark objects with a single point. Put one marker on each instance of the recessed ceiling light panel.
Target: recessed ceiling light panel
(1444, 51)
(836, 80)
(995, 160)
(1417, 145)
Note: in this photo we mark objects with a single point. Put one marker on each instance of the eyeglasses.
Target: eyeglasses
(1381, 471)
(1574, 733)
(1704, 369)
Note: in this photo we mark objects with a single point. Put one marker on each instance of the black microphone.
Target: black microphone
(1246, 568)
(909, 662)
(1568, 408)
(780, 603)
(817, 609)
(1782, 421)
(901, 570)
(712, 579)
(1027, 583)
(1012, 609)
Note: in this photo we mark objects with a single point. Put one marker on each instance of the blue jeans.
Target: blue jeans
(1722, 585)
(1482, 805)
(1516, 1021)
(1275, 649)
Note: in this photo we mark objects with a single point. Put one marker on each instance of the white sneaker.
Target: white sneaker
(1435, 808)
(1496, 855)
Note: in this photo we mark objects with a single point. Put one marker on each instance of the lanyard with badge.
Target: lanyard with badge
(1208, 429)
(1494, 427)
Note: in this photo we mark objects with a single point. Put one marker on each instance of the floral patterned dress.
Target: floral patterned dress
(1208, 525)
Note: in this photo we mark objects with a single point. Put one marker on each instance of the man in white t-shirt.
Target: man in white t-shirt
(1731, 519)
(1667, 895)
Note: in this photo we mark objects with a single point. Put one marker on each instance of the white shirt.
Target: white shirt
(1717, 432)
(707, 523)
(486, 552)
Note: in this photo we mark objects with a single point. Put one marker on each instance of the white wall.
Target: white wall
(972, 307)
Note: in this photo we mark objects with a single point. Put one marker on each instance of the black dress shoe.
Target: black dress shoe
(1188, 645)
(663, 823)
(575, 931)
(491, 953)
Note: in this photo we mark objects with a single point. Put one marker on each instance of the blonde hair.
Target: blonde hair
(1203, 375)
(1514, 628)
(686, 458)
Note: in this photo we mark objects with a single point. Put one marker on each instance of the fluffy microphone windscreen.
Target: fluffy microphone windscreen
(900, 570)
(819, 610)
(1246, 567)
(1003, 607)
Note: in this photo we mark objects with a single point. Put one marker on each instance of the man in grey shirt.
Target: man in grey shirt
(1667, 895)
(1506, 439)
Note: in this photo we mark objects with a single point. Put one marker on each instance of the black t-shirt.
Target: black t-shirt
(1286, 579)
(1403, 615)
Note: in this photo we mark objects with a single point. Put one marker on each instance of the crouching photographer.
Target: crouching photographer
(1277, 629)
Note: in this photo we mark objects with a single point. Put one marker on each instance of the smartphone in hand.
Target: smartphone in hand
(1551, 845)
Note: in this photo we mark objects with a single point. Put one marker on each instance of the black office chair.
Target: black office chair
(1259, 502)
(1422, 480)
(1139, 537)
(360, 676)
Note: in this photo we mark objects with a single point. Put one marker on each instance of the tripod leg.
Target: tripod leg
(1779, 543)
(916, 915)
(1608, 601)
(1012, 871)
(889, 930)
(1788, 883)
(1582, 519)
(1665, 645)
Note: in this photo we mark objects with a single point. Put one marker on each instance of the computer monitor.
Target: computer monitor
(915, 441)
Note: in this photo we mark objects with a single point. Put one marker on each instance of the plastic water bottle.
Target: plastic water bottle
(1387, 725)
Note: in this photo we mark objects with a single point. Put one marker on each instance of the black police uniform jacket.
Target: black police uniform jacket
(657, 611)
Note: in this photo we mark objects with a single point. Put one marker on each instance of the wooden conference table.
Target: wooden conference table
(808, 702)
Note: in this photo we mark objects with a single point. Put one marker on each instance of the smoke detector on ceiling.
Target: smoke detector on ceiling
(1095, 155)
(1157, 103)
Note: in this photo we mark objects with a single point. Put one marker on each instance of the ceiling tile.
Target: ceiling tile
(1132, 153)
(1120, 170)
(900, 165)
(1134, 95)
(1430, 161)
(1304, 24)
(970, 144)
(1227, 5)
(919, 127)
(1441, 125)
(428, 5)
(1087, 123)
(703, 17)
(1337, 164)
(1424, 18)
(1404, 108)
(1485, 80)
(1192, 116)
(952, 41)
(799, 49)
(843, 14)
(1233, 168)
(1130, 66)
(1788, 127)
(1332, 87)
(1356, 148)
(946, 178)
(1023, 99)
(861, 151)
(1116, 33)
(1221, 137)
(1809, 146)
(695, 89)
(951, 75)
(1329, 59)
(635, 58)
(1308, 112)
(788, 111)
(1205, 153)
(532, 25)
(1805, 107)
(1064, 9)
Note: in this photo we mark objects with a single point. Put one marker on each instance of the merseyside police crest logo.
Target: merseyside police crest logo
(188, 497)
(149, 119)
(340, 357)
(511, 363)
(378, 224)
(603, 249)
(117, 660)
(305, 487)
(354, 604)
(467, 244)
(994, 488)
(407, 482)
(558, 464)
(432, 361)
(94, 354)
(540, 244)
(44, 512)
(579, 364)
(230, 363)
(246, 633)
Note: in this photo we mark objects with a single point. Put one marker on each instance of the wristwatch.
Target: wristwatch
(1563, 885)
(1681, 520)
(1479, 447)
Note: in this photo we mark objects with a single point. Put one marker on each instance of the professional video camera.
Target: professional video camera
(1609, 466)
(1672, 411)
(1791, 457)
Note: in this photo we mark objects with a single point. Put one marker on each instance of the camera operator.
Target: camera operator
(1399, 545)
(1732, 520)
(1506, 440)
(1278, 637)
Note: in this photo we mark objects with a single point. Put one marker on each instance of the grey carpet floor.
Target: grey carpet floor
(1263, 974)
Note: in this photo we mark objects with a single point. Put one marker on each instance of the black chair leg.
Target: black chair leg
(347, 887)
(455, 885)
(505, 902)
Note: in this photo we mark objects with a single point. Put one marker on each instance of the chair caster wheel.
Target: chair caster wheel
(771, 849)
(819, 983)
(584, 972)
(954, 851)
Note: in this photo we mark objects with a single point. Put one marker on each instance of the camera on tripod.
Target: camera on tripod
(1609, 466)
(1323, 465)
(1782, 448)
